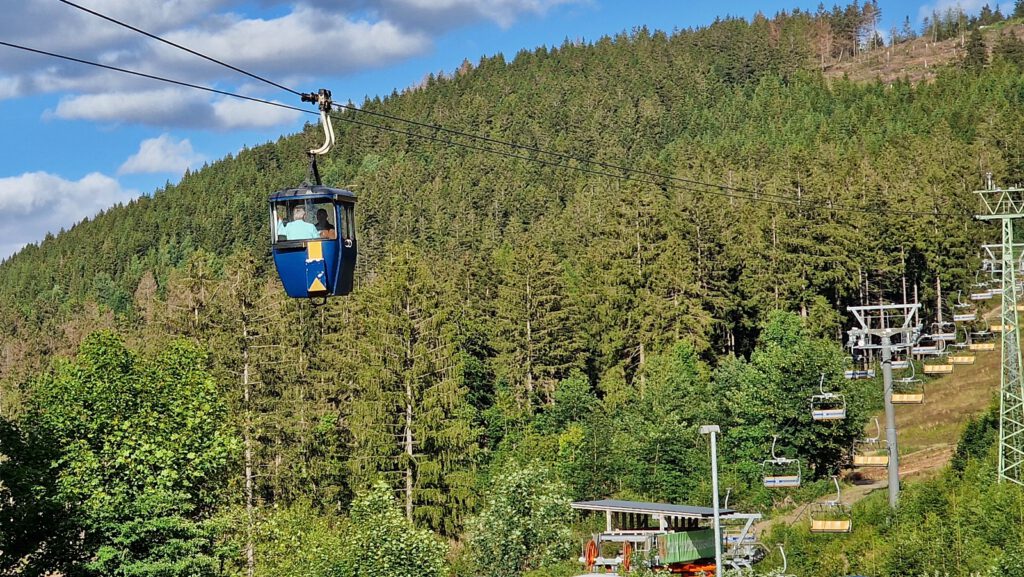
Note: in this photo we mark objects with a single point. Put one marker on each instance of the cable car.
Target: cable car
(780, 472)
(313, 240)
(827, 406)
(831, 516)
(871, 451)
(312, 227)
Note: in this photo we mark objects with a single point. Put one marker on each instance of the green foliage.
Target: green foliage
(523, 524)
(142, 453)
(978, 438)
(28, 494)
(383, 543)
(771, 395)
(976, 54)
(300, 541)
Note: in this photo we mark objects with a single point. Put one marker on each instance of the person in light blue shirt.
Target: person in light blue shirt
(298, 228)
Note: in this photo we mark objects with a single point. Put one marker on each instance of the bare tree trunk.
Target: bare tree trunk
(529, 340)
(408, 426)
(250, 505)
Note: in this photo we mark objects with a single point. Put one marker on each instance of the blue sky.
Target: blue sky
(78, 139)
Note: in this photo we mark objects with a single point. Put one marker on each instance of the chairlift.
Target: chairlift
(935, 349)
(982, 335)
(831, 516)
(981, 347)
(780, 472)
(939, 367)
(871, 451)
(856, 373)
(911, 378)
(828, 406)
(941, 332)
(963, 312)
(785, 564)
(982, 295)
(907, 392)
(963, 358)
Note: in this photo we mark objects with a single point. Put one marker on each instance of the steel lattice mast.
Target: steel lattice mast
(1006, 206)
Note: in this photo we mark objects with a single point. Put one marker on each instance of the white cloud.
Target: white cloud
(167, 106)
(172, 107)
(35, 203)
(968, 6)
(306, 39)
(503, 12)
(162, 154)
(287, 41)
(9, 88)
(231, 113)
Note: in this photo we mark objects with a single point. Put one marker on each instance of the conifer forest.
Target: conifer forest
(673, 242)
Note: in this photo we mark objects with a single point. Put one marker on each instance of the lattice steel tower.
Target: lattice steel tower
(1006, 206)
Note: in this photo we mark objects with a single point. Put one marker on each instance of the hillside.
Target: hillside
(522, 332)
(919, 60)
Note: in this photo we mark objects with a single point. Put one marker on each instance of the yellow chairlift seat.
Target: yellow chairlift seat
(907, 391)
(831, 516)
(982, 346)
(963, 359)
(780, 472)
(938, 369)
(871, 451)
(831, 525)
(1000, 328)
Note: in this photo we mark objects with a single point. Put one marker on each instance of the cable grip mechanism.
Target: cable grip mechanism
(322, 99)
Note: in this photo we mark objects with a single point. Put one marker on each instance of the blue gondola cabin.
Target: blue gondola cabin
(313, 238)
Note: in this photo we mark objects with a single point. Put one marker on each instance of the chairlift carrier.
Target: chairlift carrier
(831, 516)
(780, 472)
(827, 406)
(871, 451)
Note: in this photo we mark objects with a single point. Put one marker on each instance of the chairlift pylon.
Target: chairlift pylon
(780, 472)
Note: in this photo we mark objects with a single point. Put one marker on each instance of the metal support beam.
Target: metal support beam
(1006, 206)
(890, 423)
(884, 322)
